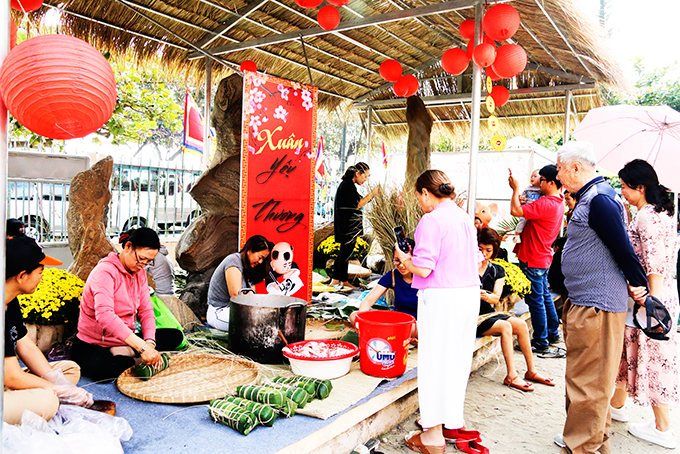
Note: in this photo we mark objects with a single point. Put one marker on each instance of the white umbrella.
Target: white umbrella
(623, 133)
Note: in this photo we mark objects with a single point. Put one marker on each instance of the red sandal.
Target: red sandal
(526, 387)
(452, 435)
(471, 447)
(538, 379)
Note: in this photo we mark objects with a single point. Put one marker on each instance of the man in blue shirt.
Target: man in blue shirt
(600, 270)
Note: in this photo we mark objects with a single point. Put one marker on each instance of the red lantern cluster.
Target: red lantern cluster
(59, 95)
(406, 86)
(26, 6)
(328, 17)
(501, 22)
(248, 65)
(391, 70)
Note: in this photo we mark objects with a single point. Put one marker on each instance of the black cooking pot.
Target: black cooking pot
(260, 325)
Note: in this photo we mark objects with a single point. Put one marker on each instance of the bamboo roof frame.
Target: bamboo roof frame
(564, 47)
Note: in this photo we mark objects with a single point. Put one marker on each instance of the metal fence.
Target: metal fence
(155, 197)
(151, 196)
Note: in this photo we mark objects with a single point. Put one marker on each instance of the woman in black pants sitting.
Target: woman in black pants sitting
(116, 294)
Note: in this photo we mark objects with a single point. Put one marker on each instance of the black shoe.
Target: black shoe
(552, 352)
(553, 340)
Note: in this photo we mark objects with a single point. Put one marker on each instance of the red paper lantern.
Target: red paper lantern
(484, 54)
(471, 47)
(467, 29)
(390, 70)
(511, 60)
(500, 95)
(328, 17)
(501, 22)
(12, 34)
(248, 65)
(309, 4)
(26, 6)
(338, 3)
(58, 86)
(455, 61)
(491, 73)
(412, 84)
(400, 87)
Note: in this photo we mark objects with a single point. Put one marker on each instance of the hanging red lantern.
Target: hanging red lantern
(501, 22)
(500, 95)
(390, 70)
(309, 4)
(455, 61)
(248, 65)
(338, 3)
(491, 73)
(471, 47)
(62, 94)
(511, 60)
(412, 84)
(26, 6)
(12, 34)
(328, 17)
(484, 55)
(467, 29)
(400, 87)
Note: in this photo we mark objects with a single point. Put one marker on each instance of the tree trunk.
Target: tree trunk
(418, 146)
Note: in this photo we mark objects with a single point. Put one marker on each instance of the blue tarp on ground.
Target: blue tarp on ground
(189, 429)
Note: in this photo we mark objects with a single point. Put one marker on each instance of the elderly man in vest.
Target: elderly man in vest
(600, 271)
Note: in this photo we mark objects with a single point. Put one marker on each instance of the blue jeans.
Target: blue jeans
(543, 315)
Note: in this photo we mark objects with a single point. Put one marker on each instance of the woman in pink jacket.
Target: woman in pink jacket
(116, 294)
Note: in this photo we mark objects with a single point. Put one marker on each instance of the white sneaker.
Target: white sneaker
(619, 414)
(559, 441)
(648, 431)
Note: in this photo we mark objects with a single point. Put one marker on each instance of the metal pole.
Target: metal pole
(4, 145)
(474, 120)
(369, 130)
(567, 116)
(342, 147)
(207, 142)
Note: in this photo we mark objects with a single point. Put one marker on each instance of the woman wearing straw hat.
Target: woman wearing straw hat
(116, 294)
(444, 267)
(649, 368)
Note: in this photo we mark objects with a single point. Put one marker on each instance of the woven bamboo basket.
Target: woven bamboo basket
(192, 378)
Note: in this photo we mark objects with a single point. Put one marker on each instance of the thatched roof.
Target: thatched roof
(563, 46)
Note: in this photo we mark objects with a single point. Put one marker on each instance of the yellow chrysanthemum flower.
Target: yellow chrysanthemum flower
(56, 300)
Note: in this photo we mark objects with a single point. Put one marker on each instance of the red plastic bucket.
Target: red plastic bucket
(383, 342)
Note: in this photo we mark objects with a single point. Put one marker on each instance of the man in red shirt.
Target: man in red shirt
(544, 219)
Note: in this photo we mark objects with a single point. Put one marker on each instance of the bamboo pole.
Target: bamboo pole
(474, 121)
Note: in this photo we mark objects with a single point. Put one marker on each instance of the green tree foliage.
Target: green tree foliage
(657, 87)
(148, 109)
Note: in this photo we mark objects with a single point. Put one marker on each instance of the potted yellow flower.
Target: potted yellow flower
(517, 285)
(51, 312)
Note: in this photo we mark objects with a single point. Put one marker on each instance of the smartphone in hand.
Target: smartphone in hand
(401, 239)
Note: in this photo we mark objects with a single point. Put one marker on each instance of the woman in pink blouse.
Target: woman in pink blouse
(444, 267)
(116, 294)
(649, 368)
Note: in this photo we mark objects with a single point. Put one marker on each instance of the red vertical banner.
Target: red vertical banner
(278, 162)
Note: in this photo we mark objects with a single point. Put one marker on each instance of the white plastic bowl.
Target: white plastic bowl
(320, 367)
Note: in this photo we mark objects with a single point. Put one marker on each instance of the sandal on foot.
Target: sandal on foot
(452, 435)
(538, 379)
(414, 443)
(526, 387)
(471, 447)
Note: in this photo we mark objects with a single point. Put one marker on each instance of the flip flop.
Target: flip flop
(414, 443)
(526, 387)
(538, 379)
(471, 447)
(455, 434)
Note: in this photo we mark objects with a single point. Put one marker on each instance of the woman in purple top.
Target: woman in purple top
(444, 267)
